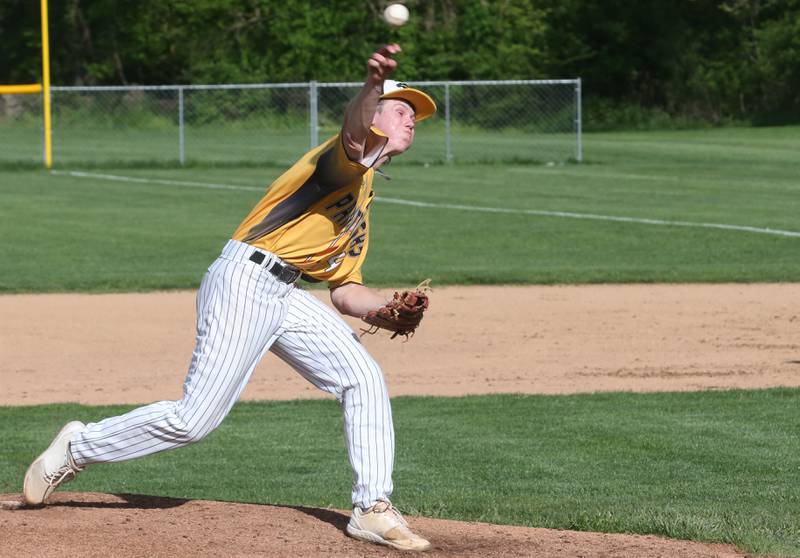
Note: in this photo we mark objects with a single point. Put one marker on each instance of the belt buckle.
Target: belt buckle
(289, 274)
(286, 273)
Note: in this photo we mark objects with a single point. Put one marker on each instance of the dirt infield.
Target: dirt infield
(133, 348)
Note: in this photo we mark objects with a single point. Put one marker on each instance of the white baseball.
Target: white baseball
(395, 14)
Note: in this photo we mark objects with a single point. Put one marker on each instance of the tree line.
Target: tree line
(711, 61)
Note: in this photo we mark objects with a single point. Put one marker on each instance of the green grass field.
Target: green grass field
(718, 466)
(88, 142)
(99, 234)
(711, 205)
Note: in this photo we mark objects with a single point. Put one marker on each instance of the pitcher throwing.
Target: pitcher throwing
(312, 222)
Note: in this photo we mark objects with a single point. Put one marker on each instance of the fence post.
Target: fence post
(578, 121)
(314, 114)
(448, 152)
(181, 151)
(44, 130)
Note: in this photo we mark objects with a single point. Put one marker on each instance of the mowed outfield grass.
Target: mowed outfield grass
(715, 466)
(63, 232)
(711, 466)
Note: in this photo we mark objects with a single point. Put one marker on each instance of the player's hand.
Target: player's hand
(402, 314)
(381, 64)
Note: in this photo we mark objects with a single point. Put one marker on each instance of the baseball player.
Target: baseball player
(313, 221)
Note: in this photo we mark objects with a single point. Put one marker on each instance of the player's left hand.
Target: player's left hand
(401, 315)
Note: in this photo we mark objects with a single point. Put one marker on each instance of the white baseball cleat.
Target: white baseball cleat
(54, 467)
(383, 524)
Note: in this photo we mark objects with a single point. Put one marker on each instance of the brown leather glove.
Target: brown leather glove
(402, 314)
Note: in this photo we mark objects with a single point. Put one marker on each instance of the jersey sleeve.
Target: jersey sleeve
(335, 169)
(353, 277)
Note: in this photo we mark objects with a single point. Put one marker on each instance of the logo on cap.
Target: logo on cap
(390, 86)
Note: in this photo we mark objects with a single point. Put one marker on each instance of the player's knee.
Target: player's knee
(370, 378)
(184, 433)
(190, 430)
(194, 434)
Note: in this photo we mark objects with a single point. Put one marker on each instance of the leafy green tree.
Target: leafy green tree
(20, 58)
(709, 60)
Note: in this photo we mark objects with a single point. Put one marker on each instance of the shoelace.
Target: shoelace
(384, 505)
(61, 475)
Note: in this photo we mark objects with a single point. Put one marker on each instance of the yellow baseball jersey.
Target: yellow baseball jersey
(315, 216)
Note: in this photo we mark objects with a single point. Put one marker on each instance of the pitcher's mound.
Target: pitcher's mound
(127, 525)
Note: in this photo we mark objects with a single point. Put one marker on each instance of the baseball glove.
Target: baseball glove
(402, 314)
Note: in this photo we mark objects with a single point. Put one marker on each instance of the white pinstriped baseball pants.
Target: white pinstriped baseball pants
(242, 312)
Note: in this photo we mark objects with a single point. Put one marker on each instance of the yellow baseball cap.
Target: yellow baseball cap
(424, 107)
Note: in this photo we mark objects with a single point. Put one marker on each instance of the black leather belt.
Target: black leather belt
(283, 273)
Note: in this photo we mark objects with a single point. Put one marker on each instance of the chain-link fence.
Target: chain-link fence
(477, 121)
(21, 131)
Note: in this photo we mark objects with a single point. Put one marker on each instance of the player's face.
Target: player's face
(396, 120)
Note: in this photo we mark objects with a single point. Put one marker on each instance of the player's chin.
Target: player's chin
(400, 146)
